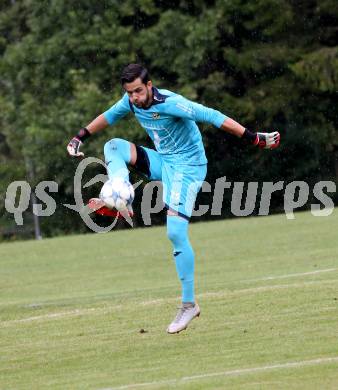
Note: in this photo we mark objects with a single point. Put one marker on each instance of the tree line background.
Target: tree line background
(269, 64)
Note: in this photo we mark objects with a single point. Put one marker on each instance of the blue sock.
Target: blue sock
(117, 156)
(177, 231)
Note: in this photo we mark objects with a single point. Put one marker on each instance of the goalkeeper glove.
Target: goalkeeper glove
(267, 140)
(262, 140)
(73, 147)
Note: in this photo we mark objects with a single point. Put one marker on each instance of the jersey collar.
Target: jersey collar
(158, 98)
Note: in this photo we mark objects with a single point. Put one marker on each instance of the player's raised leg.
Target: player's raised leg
(118, 153)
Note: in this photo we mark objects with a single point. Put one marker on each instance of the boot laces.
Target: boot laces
(180, 314)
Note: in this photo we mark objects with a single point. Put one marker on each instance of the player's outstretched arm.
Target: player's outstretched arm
(184, 108)
(262, 140)
(96, 125)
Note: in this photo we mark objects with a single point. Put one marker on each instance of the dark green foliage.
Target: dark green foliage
(268, 64)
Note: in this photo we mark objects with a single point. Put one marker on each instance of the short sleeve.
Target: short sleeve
(118, 110)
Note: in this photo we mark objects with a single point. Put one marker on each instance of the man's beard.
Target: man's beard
(146, 103)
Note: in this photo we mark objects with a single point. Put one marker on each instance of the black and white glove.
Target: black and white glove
(73, 148)
(267, 140)
(262, 140)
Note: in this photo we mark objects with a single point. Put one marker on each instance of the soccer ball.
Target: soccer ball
(117, 193)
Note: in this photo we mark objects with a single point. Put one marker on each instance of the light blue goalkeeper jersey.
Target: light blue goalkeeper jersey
(170, 122)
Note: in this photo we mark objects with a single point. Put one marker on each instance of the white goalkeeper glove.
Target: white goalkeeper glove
(262, 140)
(267, 140)
(73, 148)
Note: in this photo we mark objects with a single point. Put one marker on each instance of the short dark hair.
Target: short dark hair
(132, 71)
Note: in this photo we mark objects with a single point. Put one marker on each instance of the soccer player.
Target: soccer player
(178, 160)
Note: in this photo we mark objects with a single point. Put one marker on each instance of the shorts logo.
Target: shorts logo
(156, 115)
(175, 198)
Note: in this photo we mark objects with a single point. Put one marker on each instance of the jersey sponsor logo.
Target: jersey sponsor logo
(152, 126)
(156, 115)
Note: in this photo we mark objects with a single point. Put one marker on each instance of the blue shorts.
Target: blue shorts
(181, 183)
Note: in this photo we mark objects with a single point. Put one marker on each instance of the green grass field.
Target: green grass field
(72, 308)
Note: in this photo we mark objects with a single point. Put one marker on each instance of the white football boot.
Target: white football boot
(186, 313)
